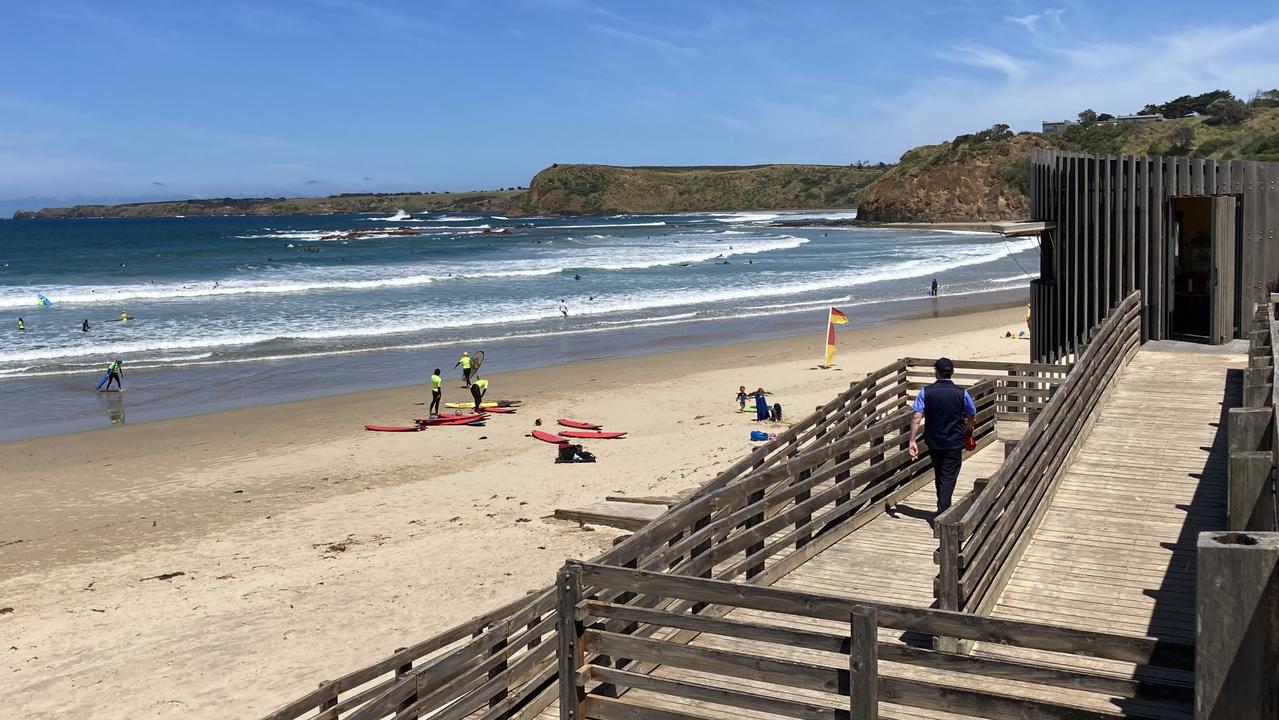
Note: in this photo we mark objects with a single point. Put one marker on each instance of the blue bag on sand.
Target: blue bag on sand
(758, 435)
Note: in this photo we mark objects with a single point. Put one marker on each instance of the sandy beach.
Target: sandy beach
(222, 564)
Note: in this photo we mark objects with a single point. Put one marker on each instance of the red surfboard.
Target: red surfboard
(450, 419)
(462, 420)
(499, 410)
(548, 437)
(392, 428)
(591, 435)
(579, 425)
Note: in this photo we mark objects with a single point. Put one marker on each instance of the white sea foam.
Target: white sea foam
(594, 227)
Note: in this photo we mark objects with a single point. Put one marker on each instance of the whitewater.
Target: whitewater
(234, 291)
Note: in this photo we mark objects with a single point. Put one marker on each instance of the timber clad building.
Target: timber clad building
(1199, 238)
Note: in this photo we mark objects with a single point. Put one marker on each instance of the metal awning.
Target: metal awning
(1022, 228)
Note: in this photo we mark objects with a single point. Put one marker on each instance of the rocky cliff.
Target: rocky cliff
(584, 189)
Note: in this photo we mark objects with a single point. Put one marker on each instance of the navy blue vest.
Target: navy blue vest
(944, 415)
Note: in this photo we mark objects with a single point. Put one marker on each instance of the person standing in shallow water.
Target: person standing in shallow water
(949, 417)
(932, 290)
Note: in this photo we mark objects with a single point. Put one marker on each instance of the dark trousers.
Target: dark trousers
(475, 393)
(946, 464)
(435, 402)
(115, 378)
(466, 376)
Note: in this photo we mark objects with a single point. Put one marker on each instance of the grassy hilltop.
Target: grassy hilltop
(986, 175)
(486, 201)
(574, 189)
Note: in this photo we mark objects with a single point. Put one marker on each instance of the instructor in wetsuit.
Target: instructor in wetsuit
(115, 373)
(478, 388)
(436, 393)
(465, 362)
(949, 416)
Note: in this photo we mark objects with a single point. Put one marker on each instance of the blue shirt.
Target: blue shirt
(969, 406)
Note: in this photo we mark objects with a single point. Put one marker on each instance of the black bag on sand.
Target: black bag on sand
(566, 453)
(583, 456)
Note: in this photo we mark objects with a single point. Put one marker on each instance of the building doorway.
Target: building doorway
(1204, 251)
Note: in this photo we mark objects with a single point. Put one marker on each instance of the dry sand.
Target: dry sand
(306, 547)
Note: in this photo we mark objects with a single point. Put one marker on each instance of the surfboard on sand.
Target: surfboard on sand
(393, 428)
(450, 419)
(591, 434)
(548, 437)
(485, 404)
(578, 424)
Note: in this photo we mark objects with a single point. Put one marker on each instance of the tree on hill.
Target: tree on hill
(1226, 111)
(1187, 105)
(1182, 139)
(1088, 117)
(1264, 99)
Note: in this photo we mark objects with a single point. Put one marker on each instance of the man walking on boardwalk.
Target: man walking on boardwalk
(949, 416)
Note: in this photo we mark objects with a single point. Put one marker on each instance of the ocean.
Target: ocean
(230, 311)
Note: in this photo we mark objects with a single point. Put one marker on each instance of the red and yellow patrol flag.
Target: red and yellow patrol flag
(835, 318)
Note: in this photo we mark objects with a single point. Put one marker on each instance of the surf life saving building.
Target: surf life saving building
(1199, 239)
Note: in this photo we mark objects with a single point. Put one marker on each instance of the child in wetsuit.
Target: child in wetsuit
(741, 397)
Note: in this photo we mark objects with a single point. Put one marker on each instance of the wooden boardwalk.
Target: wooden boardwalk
(1116, 550)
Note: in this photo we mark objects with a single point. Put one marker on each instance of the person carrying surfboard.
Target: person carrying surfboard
(436, 393)
(478, 388)
(115, 371)
(465, 362)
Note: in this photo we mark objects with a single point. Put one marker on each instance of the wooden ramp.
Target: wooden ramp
(1116, 550)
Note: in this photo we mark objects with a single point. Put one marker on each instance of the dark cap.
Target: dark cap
(944, 365)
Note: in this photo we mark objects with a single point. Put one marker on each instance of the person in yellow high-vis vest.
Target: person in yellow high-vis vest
(465, 362)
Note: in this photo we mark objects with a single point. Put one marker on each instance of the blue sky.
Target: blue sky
(135, 99)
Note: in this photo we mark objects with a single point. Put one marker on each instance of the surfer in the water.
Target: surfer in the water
(84, 326)
(436, 393)
(124, 317)
(22, 327)
(478, 388)
(932, 290)
(115, 372)
(465, 362)
(563, 308)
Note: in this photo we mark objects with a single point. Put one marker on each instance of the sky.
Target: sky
(149, 99)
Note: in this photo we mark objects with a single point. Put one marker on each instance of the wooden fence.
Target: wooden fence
(802, 655)
(787, 501)
(983, 536)
(1250, 494)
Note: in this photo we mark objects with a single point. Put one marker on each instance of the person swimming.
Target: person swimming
(124, 317)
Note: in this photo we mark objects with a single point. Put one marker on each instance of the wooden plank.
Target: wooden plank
(706, 693)
(626, 516)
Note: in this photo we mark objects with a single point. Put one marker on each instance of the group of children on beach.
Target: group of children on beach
(478, 386)
(762, 409)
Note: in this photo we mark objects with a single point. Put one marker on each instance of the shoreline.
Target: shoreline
(306, 547)
(167, 393)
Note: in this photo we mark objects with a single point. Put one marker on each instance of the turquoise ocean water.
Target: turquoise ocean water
(369, 300)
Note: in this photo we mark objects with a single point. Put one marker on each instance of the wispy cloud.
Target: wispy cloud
(1031, 22)
(648, 42)
(989, 58)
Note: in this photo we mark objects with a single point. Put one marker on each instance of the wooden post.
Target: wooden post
(752, 521)
(863, 664)
(948, 579)
(330, 703)
(1237, 621)
(804, 537)
(402, 672)
(1249, 505)
(568, 584)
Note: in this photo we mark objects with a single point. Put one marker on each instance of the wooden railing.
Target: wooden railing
(787, 501)
(1250, 494)
(804, 655)
(983, 536)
